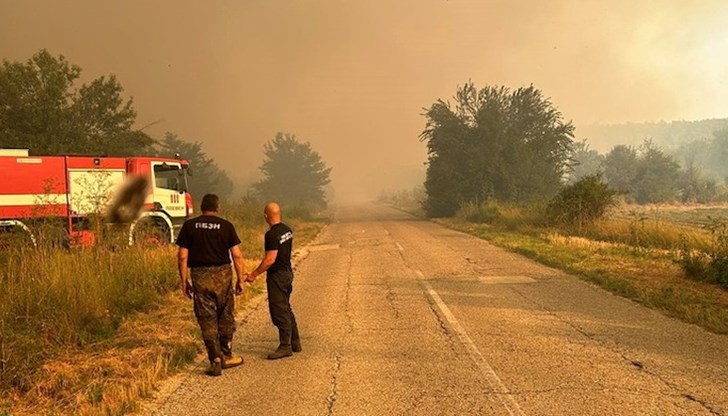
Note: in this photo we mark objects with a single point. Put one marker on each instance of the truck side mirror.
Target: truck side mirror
(181, 184)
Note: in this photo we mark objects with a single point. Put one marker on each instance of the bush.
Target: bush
(486, 212)
(718, 228)
(720, 270)
(694, 263)
(710, 267)
(582, 202)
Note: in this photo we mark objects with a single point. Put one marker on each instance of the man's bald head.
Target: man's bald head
(272, 213)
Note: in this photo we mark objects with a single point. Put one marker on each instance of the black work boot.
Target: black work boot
(213, 349)
(281, 352)
(215, 368)
(295, 337)
(296, 345)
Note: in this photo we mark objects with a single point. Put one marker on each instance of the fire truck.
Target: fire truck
(74, 188)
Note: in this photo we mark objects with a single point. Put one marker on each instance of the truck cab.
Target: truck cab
(169, 203)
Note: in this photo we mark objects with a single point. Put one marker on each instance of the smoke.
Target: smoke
(352, 77)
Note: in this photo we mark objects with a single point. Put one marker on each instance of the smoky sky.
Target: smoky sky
(352, 77)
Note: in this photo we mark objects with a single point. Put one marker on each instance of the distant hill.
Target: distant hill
(669, 135)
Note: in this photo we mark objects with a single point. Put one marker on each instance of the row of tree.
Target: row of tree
(43, 110)
(494, 143)
(709, 153)
(649, 174)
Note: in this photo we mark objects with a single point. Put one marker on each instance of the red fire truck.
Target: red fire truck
(73, 188)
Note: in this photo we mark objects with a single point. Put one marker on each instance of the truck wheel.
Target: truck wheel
(150, 232)
(15, 234)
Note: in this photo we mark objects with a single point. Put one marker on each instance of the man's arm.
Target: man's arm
(182, 256)
(268, 260)
(239, 265)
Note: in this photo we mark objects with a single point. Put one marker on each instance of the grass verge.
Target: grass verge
(108, 377)
(92, 331)
(645, 275)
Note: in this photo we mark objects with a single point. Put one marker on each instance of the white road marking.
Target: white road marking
(322, 247)
(495, 280)
(399, 247)
(495, 382)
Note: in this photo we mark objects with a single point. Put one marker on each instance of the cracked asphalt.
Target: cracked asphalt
(404, 317)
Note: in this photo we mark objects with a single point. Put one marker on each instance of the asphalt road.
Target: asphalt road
(404, 317)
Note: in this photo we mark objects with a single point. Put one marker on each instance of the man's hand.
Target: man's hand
(249, 277)
(187, 290)
(239, 289)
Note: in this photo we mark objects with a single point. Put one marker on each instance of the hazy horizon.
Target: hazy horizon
(352, 78)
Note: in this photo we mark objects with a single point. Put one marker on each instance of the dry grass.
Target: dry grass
(111, 376)
(92, 331)
(648, 233)
(655, 280)
(647, 275)
(108, 377)
(61, 309)
(694, 215)
(53, 298)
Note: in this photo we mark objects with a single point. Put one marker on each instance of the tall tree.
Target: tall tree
(494, 143)
(657, 176)
(206, 176)
(695, 187)
(41, 110)
(620, 169)
(585, 161)
(293, 173)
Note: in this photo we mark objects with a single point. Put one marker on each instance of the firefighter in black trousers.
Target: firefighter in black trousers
(279, 281)
(206, 245)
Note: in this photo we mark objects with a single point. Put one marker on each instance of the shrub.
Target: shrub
(694, 263)
(710, 267)
(718, 228)
(582, 202)
(720, 270)
(486, 212)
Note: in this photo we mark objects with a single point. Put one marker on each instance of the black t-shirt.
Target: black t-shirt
(209, 239)
(280, 237)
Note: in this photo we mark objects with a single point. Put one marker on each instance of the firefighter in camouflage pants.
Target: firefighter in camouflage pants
(206, 245)
(214, 303)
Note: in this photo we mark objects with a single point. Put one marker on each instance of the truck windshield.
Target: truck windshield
(166, 176)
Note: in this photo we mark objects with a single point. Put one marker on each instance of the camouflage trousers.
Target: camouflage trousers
(215, 308)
